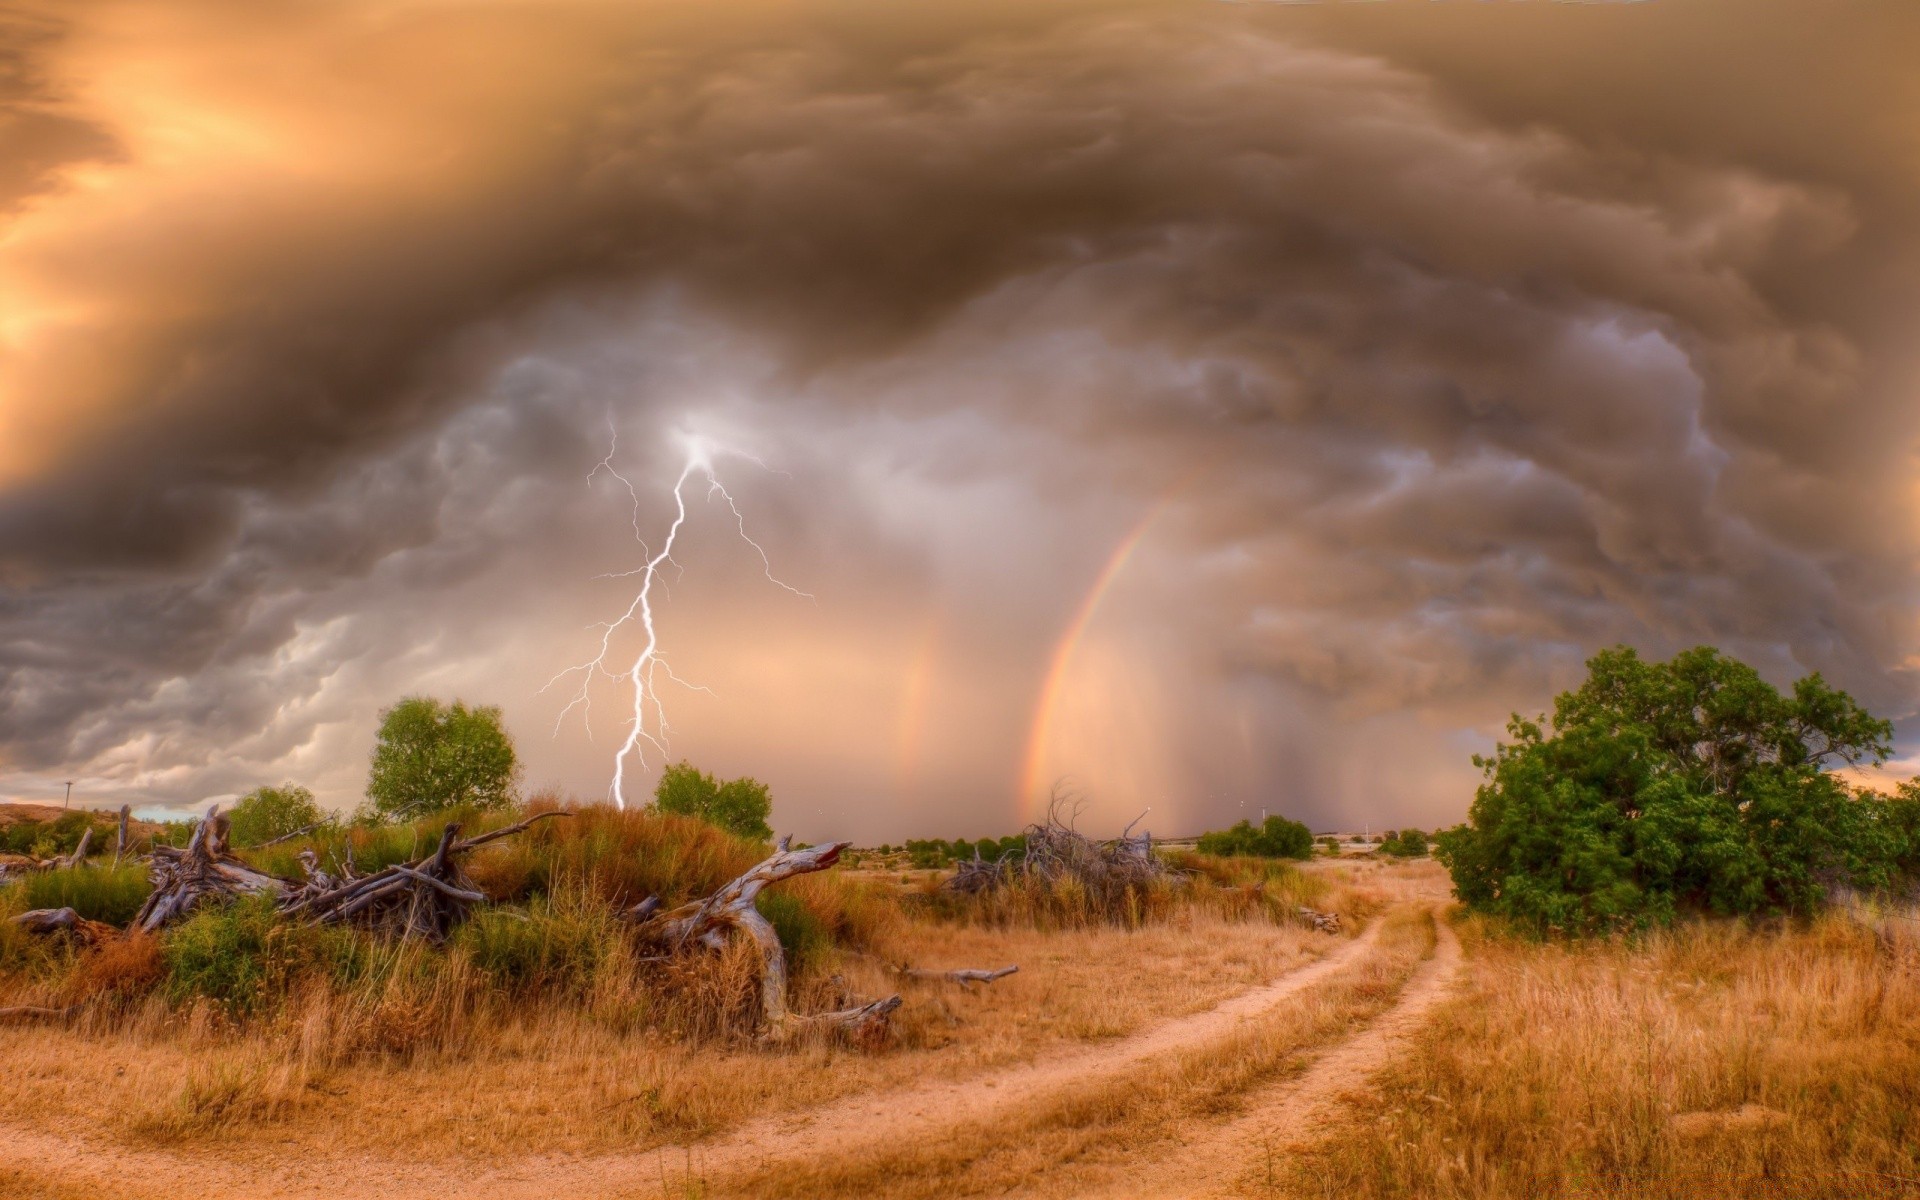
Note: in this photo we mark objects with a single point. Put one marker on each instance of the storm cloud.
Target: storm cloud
(1215, 405)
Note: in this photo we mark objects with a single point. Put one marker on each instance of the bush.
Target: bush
(739, 806)
(1407, 843)
(1276, 837)
(1689, 785)
(239, 955)
(430, 756)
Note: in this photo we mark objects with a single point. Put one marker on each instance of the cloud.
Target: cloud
(321, 319)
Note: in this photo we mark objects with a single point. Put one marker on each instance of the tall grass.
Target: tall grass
(1715, 1059)
(96, 893)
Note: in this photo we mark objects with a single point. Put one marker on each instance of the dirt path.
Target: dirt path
(837, 1128)
(1286, 1115)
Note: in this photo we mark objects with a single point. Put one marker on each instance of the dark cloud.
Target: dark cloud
(1442, 364)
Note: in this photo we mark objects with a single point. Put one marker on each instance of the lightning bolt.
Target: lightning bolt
(647, 729)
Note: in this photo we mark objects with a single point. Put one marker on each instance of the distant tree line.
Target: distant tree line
(927, 853)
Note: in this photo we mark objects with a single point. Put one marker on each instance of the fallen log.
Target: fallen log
(427, 898)
(206, 871)
(965, 977)
(709, 922)
(65, 920)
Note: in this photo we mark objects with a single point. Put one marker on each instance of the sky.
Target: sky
(1203, 408)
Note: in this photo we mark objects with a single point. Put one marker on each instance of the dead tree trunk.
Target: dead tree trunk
(427, 898)
(708, 923)
(120, 838)
(206, 870)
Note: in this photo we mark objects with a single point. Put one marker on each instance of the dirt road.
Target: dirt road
(1206, 1159)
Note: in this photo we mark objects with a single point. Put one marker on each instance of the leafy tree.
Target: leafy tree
(1276, 837)
(266, 813)
(1661, 787)
(1406, 843)
(429, 756)
(739, 806)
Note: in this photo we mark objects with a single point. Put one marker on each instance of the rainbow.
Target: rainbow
(1034, 786)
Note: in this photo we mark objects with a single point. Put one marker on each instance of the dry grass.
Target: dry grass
(396, 1067)
(1066, 1143)
(1708, 1061)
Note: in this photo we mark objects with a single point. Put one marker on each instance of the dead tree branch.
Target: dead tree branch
(709, 922)
(965, 977)
(427, 898)
(205, 871)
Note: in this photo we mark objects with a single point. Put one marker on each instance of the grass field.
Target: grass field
(1195, 1040)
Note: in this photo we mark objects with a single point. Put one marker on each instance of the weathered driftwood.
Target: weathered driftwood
(1325, 922)
(65, 920)
(965, 976)
(206, 871)
(427, 898)
(711, 921)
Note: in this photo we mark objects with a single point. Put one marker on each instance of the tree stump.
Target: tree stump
(206, 871)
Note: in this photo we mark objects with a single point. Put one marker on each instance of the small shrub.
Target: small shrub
(121, 969)
(244, 958)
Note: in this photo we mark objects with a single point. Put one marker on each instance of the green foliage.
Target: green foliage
(266, 813)
(1407, 843)
(243, 956)
(430, 756)
(1276, 837)
(93, 892)
(559, 946)
(804, 936)
(47, 839)
(930, 853)
(1689, 785)
(739, 806)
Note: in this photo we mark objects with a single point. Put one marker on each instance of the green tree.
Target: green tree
(739, 806)
(1689, 785)
(266, 813)
(429, 756)
(1276, 837)
(1406, 843)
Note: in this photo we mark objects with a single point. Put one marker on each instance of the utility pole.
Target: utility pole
(69, 799)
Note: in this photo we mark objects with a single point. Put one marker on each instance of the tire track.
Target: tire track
(838, 1127)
